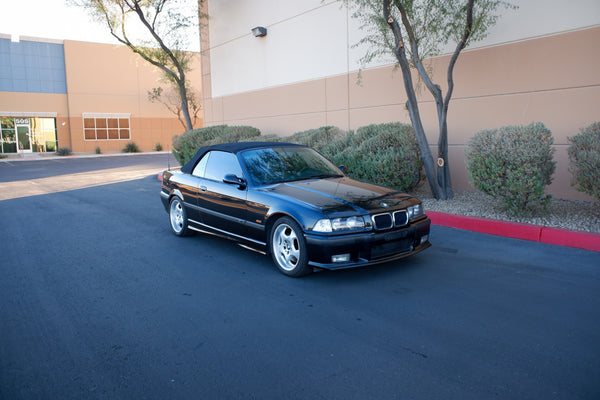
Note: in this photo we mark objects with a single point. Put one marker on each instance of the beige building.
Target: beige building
(539, 63)
(82, 96)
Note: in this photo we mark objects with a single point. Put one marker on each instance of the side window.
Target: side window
(220, 164)
(201, 166)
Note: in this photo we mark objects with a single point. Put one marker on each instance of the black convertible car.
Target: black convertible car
(290, 201)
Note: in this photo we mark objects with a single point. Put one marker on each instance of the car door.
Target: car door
(222, 205)
(189, 186)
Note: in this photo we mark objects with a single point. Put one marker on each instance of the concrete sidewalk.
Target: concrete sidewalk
(53, 156)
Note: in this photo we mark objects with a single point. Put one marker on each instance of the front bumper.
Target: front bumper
(368, 248)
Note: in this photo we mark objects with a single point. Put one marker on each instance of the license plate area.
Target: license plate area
(390, 248)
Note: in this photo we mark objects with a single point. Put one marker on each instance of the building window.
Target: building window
(9, 137)
(106, 127)
(35, 134)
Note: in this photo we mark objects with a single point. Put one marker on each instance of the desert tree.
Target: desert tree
(170, 98)
(414, 31)
(156, 30)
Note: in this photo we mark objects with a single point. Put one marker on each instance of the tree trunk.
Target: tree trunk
(439, 178)
(443, 168)
(413, 106)
(185, 106)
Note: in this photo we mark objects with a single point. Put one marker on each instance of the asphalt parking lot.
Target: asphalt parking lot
(99, 300)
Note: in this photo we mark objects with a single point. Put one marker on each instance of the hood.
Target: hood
(344, 195)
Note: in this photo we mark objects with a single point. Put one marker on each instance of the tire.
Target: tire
(178, 217)
(288, 248)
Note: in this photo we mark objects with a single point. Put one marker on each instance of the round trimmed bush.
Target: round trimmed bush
(514, 164)
(317, 138)
(63, 151)
(131, 147)
(187, 144)
(584, 157)
(386, 154)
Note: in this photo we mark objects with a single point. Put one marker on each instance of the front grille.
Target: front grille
(382, 221)
(388, 220)
(400, 218)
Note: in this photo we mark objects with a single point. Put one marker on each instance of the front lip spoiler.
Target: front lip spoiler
(363, 263)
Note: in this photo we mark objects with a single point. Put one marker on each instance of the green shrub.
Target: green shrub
(234, 134)
(158, 147)
(263, 138)
(98, 150)
(63, 151)
(386, 154)
(188, 143)
(584, 157)
(131, 147)
(514, 164)
(317, 138)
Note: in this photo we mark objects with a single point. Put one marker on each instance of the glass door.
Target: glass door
(23, 134)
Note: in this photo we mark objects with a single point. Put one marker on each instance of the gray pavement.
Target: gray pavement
(99, 300)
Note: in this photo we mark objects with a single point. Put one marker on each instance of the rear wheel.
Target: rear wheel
(178, 217)
(288, 248)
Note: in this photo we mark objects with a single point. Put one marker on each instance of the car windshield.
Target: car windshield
(286, 164)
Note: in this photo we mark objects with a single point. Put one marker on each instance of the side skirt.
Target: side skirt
(247, 243)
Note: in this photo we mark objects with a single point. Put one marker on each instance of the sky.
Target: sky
(55, 19)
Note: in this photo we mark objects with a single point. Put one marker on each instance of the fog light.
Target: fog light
(339, 258)
(424, 238)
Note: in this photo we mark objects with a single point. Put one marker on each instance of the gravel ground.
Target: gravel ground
(566, 214)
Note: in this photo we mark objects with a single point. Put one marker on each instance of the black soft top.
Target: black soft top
(230, 148)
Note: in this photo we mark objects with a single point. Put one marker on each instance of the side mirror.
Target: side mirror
(343, 169)
(235, 180)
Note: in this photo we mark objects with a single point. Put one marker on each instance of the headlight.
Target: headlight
(415, 211)
(339, 224)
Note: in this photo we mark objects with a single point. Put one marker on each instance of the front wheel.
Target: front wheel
(288, 248)
(178, 217)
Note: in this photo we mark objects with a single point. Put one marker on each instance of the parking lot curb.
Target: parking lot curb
(535, 233)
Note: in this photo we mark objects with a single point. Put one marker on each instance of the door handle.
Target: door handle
(203, 188)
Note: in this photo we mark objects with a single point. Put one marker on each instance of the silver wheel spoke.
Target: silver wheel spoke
(176, 216)
(286, 249)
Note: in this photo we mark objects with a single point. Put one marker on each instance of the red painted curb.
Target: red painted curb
(535, 233)
(564, 237)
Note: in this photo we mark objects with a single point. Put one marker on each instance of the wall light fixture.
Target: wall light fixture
(259, 31)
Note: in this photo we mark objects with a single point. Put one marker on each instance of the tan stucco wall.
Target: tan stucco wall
(104, 78)
(552, 79)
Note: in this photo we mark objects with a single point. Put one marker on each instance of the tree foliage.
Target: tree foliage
(164, 40)
(414, 30)
(169, 98)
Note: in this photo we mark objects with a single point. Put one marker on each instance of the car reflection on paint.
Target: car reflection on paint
(289, 201)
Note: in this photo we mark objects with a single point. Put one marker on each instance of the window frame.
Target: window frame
(102, 125)
(203, 165)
